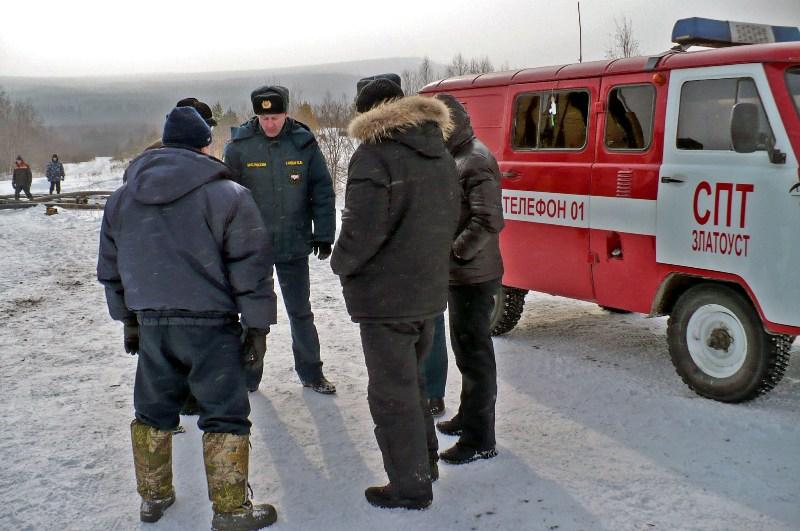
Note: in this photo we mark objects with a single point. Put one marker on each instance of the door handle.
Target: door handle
(670, 180)
(795, 187)
(510, 174)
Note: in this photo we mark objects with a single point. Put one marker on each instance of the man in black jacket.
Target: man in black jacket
(392, 254)
(475, 272)
(22, 178)
(182, 252)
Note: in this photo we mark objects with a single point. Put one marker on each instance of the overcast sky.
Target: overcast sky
(78, 38)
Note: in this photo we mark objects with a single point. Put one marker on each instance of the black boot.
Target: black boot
(450, 427)
(460, 454)
(386, 498)
(436, 406)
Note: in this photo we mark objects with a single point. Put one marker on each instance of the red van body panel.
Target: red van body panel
(612, 266)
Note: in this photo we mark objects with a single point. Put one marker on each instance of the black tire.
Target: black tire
(614, 310)
(508, 304)
(726, 330)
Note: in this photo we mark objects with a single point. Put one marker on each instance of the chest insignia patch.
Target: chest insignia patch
(256, 164)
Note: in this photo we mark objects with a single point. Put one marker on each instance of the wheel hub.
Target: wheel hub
(720, 339)
(717, 341)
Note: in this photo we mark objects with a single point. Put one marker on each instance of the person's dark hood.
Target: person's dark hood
(412, 121)
(462, 127)
(163, 175)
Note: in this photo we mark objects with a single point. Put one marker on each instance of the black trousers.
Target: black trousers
(206, 360)
(55, 185)
(26, 189)
(470, 308)
(398, 403)
(293, 278)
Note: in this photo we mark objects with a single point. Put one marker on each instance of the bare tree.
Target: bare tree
(333, 116)
(623, 44)
(414, 80)
(22, 132)
(458, 66)
(481, 65)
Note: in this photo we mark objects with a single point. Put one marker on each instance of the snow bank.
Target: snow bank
(595, 430)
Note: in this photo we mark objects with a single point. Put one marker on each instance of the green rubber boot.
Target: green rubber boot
(152, 459)
(226, 457)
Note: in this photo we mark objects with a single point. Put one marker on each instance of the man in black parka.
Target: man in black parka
(277, 158)
(392, 258)
(475, 272)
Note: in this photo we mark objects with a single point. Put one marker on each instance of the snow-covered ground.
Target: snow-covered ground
(595, 430)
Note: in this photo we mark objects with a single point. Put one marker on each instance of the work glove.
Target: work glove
(131, 337)
(254, 346)
(322, 250)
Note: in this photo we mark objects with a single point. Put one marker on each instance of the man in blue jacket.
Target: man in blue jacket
(278, 160)
(182, 253)
(55, 174)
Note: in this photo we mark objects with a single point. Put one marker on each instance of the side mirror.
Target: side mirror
(744, 127)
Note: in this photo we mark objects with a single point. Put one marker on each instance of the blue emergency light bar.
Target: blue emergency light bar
(698, 31)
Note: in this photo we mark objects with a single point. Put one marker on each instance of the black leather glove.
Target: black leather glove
(254, 346)
(131, 335)
(322, 250)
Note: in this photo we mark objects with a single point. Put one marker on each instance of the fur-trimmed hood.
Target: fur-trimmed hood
(396, 116)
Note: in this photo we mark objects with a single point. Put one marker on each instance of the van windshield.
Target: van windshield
(793, 82)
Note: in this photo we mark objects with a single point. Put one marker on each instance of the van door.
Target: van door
(546, 168)
(720, 210)
(623, 192)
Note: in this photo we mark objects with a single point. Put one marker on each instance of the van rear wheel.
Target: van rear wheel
(719, 347)
(508, 304)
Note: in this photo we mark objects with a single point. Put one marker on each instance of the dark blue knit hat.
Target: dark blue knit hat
(185, 127)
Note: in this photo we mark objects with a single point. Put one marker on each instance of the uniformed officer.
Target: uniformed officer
(278, 159)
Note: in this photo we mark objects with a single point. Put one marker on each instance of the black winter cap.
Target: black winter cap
(201, 107)
(376, 89)
(270, 99)
(185, 127)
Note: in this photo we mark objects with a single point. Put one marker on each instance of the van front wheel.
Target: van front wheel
(508, 304)
(720, 348)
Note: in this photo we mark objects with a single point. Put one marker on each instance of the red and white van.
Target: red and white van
(665, 185)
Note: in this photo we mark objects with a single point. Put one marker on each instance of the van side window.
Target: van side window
(526, 128)
(629, 117)
(793, 82)
(551, 120)
(704, 119)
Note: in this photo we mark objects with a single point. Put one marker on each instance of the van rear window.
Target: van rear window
(629, 117)
(551, 120)
(793, 82)
(704, 119)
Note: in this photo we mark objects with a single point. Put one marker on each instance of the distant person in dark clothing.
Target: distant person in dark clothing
(400, 215)
(22, 178)
(201, 107)
(435, 369)
(191, 406)
(182, 254)
(55, 174)
(475, 272)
